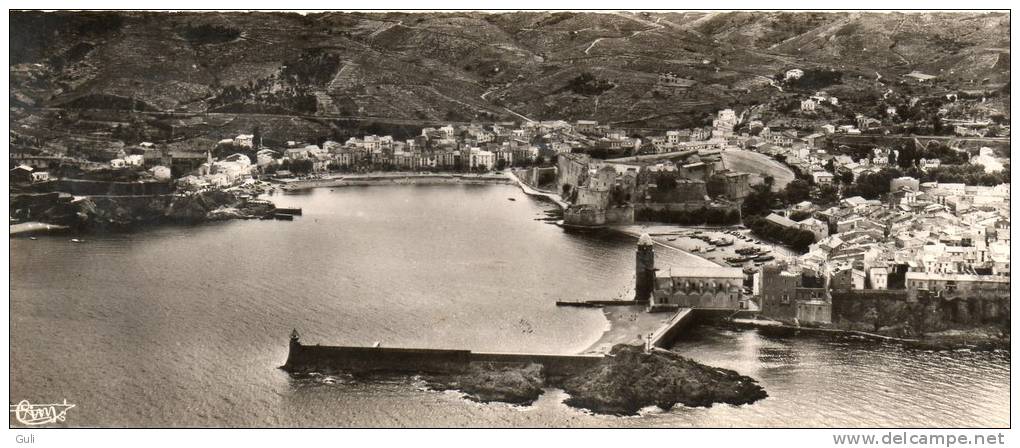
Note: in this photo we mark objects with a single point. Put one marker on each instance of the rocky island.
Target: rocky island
(622, 383)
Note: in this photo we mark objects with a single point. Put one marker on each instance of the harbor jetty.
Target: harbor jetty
(623, 381)
(310, 358)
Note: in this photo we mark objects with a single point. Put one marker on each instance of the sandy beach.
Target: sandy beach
(392, 178)
(32, 227)
(627, 325)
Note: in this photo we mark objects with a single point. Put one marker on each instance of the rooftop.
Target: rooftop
(700, 272)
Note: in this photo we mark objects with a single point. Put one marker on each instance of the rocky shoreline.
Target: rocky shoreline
(624, 382)
(977, 339)
(113, 213)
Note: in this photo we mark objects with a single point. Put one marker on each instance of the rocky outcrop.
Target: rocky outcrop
(631, 379)
(486, 382)
(622, 383)
(112, 212)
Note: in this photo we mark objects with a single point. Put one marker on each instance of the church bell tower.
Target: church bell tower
(644, 272)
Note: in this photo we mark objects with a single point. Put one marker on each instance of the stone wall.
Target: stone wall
(584, 216)
(623, 214)
(320, 358)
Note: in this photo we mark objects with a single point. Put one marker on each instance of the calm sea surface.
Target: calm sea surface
(186, 326)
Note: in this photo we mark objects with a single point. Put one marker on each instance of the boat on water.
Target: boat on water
(76, 240)
(670, 239)
(511, 199)
(32, 238)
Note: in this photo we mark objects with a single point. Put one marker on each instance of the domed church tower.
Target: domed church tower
(644, 272)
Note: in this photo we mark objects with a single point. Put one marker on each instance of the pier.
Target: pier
(666, 334)
(304, 358)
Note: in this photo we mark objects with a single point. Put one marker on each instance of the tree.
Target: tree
(257, 136)
(873, 185)
(758, 202)
(796, 191)
(665, 182)
(827, 194)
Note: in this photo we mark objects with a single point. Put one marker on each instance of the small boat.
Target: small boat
(670, 239)
(511, 199)
(75, 240)
(764, 258)
(710, 249)
(32, 238)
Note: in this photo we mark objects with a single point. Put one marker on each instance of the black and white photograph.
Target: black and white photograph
(472, 218)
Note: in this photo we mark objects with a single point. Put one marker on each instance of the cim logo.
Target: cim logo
(40, 414)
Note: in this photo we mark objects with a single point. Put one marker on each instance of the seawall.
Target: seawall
(309, 358)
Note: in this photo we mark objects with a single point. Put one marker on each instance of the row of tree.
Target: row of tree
(790, 236)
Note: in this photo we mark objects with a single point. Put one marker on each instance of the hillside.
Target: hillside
(478, 66)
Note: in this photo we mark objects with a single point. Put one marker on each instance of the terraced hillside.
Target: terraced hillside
(481, 66)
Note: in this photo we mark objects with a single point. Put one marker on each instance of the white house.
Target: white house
(40, 176)
(482, 159)
(160, 172)
(134, 160)
(244, 141)
(986, 158)
(879, 277)
(822, 177)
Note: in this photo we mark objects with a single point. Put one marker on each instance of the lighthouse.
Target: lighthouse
(644, 269)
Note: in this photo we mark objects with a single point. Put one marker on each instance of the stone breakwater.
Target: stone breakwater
(622, 382)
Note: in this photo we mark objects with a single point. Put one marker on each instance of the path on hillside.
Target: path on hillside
(652, 26)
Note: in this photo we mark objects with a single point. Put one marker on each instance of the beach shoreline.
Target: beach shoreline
(626, 324)
(393, 178)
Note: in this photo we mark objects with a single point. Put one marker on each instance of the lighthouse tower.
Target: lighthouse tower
(644, 272)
